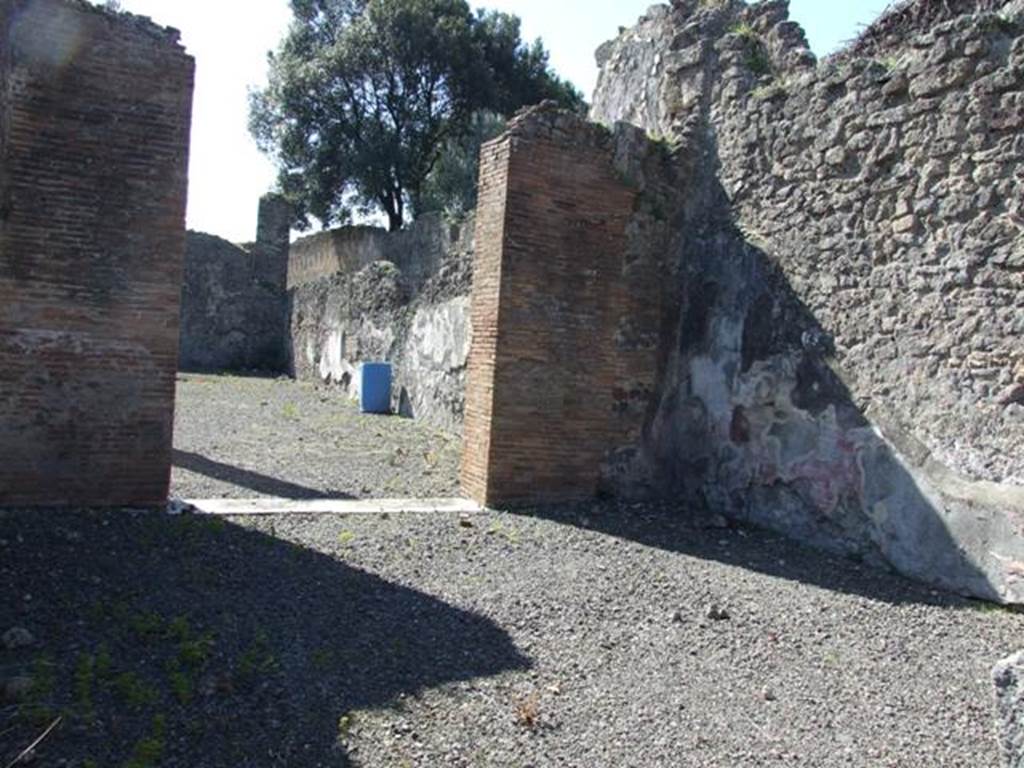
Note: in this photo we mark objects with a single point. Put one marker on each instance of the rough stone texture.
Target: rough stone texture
(234, 303)
(397, 297)
(569, 290)
(420, 251)
(1008, 676)
(93, 176)
(845, 363)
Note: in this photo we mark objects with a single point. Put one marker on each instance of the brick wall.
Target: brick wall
(91, 246)
(565, 347)
(487, 260)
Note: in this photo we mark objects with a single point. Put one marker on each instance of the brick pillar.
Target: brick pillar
(542, 409)
(94, 158)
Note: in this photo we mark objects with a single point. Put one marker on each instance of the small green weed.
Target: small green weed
(757, 55)
(146, 624)
(346, 537)
(84, 678)
(181, 683)
(290, 411)
(36, 709)
(345, 723)
(148, 751)
(214, 524)
(194, 653)
(258, 658)
(178, 628)
(889, 63)
(104, 662)
(745, 31)
(135, 692)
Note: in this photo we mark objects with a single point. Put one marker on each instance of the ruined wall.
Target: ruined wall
(419, 250)
(92, 210)
(234, 303)
(568, 303)
(347, 249)
(398, 297)
(847, 366)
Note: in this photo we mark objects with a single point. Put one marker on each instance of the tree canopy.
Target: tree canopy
(364, 97)
(451, 186)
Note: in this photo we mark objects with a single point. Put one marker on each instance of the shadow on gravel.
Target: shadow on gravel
(669, 528)
(244, 478)
(193, 642)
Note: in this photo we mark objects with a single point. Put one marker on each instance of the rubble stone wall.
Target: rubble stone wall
(399, 297)
(234, 303)
(93, 178)
(418, 251)
(847, 365)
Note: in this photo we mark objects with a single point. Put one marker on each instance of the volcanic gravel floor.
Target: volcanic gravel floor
(591, 635)
(248, 437)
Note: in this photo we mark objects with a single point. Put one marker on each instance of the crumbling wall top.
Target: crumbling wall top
(36, 10)
(905, 20)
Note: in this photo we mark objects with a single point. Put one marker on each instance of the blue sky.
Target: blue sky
(230, 39)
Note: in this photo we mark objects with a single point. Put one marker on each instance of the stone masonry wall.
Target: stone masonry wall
(324, 254)
(568, 307)
(234, 303)
(96, 114)
(847, 366)
(398, 297)
(419, 250)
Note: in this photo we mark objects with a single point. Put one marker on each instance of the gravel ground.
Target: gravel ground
(244, 437)
(592, 635)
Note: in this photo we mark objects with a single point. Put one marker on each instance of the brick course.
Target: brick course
(95, 146)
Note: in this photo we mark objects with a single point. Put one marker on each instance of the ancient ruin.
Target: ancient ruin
(798, 304)
(756, 286)
(362, 294)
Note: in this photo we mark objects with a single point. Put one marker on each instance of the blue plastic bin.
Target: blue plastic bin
(375, 387)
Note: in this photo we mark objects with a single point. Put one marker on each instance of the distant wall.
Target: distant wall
(418, 251)
(93, 177)
(568, 304)
(234, 305)
(397, 297)
(347, 249)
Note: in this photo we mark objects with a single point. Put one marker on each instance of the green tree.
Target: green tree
(365, 95)
(451, 186)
